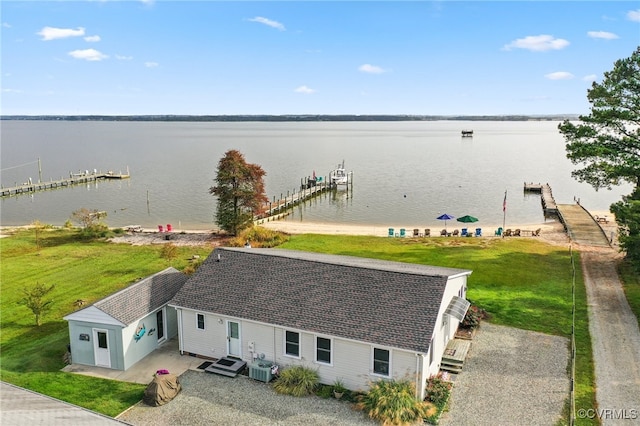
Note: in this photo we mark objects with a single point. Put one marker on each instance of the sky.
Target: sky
(299, 57)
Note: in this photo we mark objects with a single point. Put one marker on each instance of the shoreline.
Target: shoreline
(550, 231)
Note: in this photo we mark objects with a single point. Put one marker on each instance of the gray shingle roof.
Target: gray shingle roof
(386, 303)
(143, 297)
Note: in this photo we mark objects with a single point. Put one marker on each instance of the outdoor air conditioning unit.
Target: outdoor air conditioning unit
(261, 370)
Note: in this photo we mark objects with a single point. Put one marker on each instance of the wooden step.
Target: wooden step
(454, 355)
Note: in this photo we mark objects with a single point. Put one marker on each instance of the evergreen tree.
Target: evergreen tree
(240, 192)
(606, 144)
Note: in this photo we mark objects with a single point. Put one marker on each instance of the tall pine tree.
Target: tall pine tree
(606, 144)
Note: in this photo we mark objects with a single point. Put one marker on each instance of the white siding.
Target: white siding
(263, 338)
(443, 334)
(210, 342)
(351, 360)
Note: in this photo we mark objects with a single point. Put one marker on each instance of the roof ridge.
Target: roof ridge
(102, 301)
(354, 261)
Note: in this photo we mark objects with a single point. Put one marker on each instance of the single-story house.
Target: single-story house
(349, 318)
(121, 329)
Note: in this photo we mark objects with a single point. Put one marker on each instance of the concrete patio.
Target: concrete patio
(165, 357)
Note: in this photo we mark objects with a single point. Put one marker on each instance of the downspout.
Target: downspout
(418, 375)
(420, 383)
(180, 343)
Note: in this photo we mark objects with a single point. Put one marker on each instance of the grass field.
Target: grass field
(32, 356)
(523, 283)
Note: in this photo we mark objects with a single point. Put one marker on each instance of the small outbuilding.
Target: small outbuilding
(121, 329)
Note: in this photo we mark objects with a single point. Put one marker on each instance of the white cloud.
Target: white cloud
(51, 33)
(151, 64)
(540, 43)
(124, 58)
(371, 69)
(559, 75)
(11, 91)
(92, 39)
(304, 89)
(590, 77)
(634, 15)
(268, 22)
(88, 55)
(6, 25)
(602, 34)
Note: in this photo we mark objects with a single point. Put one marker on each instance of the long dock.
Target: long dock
(546, 196)
(581, 226)
(279, 208)
(73, 179)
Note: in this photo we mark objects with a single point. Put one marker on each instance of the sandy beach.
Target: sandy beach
(550, 231)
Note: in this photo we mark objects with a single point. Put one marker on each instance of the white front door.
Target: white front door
(101, 348)
(233, 339)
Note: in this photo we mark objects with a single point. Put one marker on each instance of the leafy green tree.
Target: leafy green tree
(34, 299)
(240, 192)
(606, 144)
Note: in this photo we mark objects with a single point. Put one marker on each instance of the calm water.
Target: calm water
(405, 173)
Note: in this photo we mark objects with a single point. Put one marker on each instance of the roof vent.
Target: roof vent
(218, 259)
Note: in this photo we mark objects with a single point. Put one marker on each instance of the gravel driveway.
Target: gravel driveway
(615, 338)
(212, 400)
(510, 377)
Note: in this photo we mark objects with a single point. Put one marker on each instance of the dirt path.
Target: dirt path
(615, 339)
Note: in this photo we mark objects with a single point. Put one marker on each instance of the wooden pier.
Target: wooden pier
(581, 227)
(546, 195)
(73, 179)
(278, 209)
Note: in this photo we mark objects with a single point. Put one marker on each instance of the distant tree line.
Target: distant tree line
(286, 118)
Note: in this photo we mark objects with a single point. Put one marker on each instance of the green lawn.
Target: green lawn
(523, 283)
(32, 356)
(631, 283)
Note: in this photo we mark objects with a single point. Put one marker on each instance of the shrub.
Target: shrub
(296, 381)
(394, 403)
(169, 251)
(324, 391)
(473, 317)
(192, 267)
(338, 386)
(97, 230)
(438, 390)
(258, 236)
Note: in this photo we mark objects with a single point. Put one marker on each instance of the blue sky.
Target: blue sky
(297, 57)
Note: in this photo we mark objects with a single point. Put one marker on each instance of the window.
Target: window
(102, 340)
(160, 324)
(323, 350)
(200, 320)
(292, 343)
(381, 361)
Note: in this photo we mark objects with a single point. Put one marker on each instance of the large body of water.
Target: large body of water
(405, 174)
